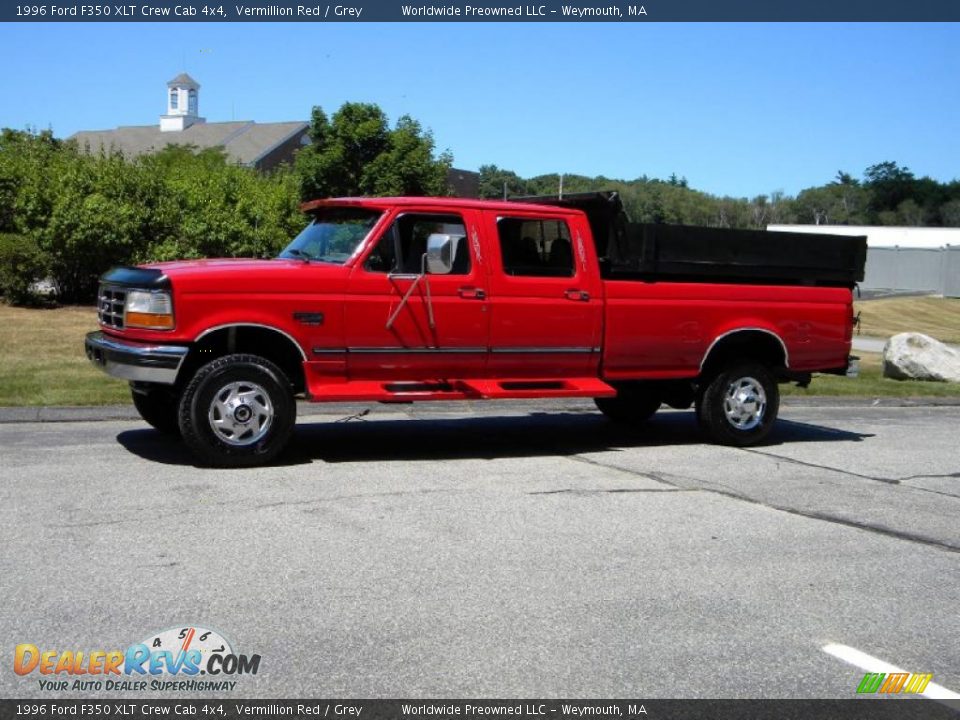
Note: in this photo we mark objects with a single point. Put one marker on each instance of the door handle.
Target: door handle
(581, 295)
(472, 293)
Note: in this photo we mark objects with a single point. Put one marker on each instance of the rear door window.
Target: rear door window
(533, 247)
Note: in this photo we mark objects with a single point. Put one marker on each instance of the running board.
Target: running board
(541, 388)
(468, 389)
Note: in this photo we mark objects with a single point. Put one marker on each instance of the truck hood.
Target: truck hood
(249, 277)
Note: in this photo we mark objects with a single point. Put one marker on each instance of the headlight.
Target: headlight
(152, 310)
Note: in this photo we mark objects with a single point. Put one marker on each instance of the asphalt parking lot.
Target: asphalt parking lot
(500, 550)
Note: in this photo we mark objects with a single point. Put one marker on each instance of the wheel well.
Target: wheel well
(678, 394)
(268, 343)
(751, 345)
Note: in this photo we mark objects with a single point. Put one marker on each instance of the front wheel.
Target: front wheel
(739, 405)
(237, 411)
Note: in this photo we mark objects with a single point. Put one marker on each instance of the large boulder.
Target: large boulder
(914, 356)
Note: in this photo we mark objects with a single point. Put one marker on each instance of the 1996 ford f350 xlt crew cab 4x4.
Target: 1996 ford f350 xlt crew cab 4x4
(406, 299)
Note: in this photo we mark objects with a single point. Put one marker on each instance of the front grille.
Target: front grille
(110, 301)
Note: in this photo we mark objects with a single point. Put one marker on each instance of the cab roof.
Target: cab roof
(440, 203)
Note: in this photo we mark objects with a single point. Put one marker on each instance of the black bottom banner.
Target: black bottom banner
(854, 709)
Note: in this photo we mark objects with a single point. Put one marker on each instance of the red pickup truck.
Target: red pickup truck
(406, 299)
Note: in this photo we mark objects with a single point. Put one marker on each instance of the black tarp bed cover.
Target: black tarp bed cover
(653, 251)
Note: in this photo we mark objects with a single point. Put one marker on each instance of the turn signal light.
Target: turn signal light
(149, 320)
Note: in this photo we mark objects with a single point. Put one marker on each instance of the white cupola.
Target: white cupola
(182, 104)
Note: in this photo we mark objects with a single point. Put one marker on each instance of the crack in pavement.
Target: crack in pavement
(95, 523)
(869, 527)
(576, 491)
(941, 476)
(886, 481)
(360, 496)
(656, 477)
(811, 514)
(242, 505)
(932, 491)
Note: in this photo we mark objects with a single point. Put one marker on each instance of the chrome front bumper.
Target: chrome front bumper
(135, 361)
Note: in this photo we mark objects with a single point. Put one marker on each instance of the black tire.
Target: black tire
(631, 406)
(214, 423)
(739, 405)
(158, 407)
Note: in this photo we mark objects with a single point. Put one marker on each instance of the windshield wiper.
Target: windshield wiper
(299, 254)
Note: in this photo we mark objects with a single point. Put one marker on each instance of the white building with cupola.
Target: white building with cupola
(183, 104)
(262, 146)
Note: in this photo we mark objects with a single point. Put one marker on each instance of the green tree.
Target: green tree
(889, 185)
(851, 199)
(495, 181)
(100, 209)
(910, 213)
(356, 153)
(950, 213)
(75, 214)
(408, 166)
(210, 207)
(22, 262)
(833, 204)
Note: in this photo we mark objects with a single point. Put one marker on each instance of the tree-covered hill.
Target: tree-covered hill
(888, 194)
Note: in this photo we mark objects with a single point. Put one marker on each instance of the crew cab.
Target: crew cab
(413, 298)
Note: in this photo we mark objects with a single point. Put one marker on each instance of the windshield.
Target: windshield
(333, 236)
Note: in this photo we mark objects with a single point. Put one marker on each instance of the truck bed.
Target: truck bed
(683, 253)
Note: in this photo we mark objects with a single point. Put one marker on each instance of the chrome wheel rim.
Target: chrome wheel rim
(241, 413)
(745, 403)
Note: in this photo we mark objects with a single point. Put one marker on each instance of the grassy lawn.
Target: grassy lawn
(42, 361)
(871, 383)
(934, 316)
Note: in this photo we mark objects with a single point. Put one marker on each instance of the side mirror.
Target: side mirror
(441, 251)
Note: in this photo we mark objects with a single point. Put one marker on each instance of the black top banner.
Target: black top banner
(487, 11)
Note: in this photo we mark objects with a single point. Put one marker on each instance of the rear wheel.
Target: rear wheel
(739, 405)
(631, 406)
(158, 406)
(238, 411)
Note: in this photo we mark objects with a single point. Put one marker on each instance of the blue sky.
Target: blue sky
(738, 109)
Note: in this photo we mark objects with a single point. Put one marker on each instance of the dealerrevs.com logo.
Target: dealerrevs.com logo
(172, 660)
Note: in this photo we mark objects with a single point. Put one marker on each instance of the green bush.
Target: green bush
(22, 263)
(90, 211)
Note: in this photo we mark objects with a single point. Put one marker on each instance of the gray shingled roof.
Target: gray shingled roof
(244, 142)
(183, 79)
